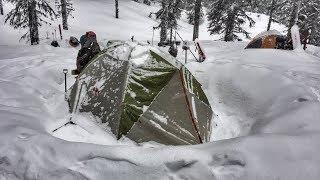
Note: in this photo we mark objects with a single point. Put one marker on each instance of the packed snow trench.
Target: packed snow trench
(267, 104)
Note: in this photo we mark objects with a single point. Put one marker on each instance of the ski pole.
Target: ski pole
(65, 72)
(55, 34)
(60, 31)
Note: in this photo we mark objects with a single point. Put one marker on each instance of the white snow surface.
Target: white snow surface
(267, 102)
(267, 33)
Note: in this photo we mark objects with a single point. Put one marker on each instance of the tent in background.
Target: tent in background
(268, 40)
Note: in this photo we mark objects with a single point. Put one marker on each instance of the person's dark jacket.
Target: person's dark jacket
(89, 49)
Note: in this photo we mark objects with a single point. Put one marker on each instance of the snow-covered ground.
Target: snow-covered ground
(267, 102)
(98, 15)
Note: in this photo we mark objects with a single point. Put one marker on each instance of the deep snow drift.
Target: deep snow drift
(269, 97)
(267, 102)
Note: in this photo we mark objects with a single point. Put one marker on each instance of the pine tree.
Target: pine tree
(189, 7)
(191, 15)
(311, 9)
(65, 8)
(293, 18)
(30, 14)
(117, 8)
(1, 8)
(276, 9)
(280, 11)
(175, 9)
(162, 14)
(287, 11)
(272, 8)
(168, 15)
(228, 16)
(197, 16)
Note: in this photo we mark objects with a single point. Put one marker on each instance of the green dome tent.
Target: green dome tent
(143, 94)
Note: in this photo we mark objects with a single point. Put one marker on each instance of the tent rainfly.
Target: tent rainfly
(144, 94)
(268, 40)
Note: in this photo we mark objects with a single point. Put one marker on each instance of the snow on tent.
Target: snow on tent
(268, 40)
(144, 94)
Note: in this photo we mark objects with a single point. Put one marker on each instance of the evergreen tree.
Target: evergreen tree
(162, 14)
(311, 9)
(191, 16)
(65, 9)
(175, 10)
(276, 9)
(117, 8)
(287, 11)
(307, 8)
(275, 6)
(197, 16)
(293, 15)
(169, 14)
(30, 14)
(292, 19)
(189, 7)
(1, 8)
(228, 16)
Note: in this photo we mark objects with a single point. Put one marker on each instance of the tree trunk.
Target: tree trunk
(64, 14)
(197, 11)
(229, 36)
(117, 8)
(163, 33)
(313, 30)
(164, 22)
(272, 8)
(171, 35)
(293, 16)
(1, 8)
(33, 23)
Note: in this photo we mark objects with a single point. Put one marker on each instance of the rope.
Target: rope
(189, 48)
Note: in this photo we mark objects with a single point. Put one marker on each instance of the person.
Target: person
(89, 49)
(304, 30)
